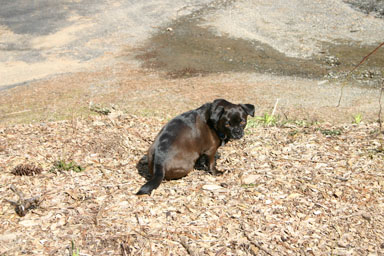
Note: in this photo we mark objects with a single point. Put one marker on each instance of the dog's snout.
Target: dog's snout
(237, 133)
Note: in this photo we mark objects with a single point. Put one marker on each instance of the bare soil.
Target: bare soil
(148, 93)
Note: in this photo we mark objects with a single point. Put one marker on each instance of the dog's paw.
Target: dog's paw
(217, 172)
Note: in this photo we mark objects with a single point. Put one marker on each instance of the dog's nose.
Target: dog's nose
(238, 133)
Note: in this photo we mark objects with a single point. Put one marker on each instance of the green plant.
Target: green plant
(74, 250)
(100, 110)
(252, 123)
(266, 119)
(293, 132)
(61, 165)
(328, 132)
(357, 118)
(305, 123)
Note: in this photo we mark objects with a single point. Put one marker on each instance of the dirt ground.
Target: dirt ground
(174, 57)
(144, 92)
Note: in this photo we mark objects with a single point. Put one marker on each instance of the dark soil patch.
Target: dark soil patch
(376, 7)
(186, 49)
(189, 47)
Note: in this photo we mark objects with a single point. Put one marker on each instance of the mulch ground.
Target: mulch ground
(289, 190)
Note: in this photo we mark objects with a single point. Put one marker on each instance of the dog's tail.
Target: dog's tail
(154, 183)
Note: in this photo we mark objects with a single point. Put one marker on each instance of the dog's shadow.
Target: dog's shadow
(201, 164)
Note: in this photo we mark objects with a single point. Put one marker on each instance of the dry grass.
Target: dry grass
(289, 190)
(146, 93)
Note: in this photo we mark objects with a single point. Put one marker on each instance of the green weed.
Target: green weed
(327, 132)
(267, 119)
(357, 119)
(61, 165)
(74, 251)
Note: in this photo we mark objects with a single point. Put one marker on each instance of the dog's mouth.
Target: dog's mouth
(237, 134)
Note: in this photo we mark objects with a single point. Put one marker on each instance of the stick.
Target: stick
(379, 120)
(189, 250)
(22, 206)
(124, 251)
(274, 108)
(350, 72)
(381, 93)
(252, 242)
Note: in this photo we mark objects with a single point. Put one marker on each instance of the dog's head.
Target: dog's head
(229, 120)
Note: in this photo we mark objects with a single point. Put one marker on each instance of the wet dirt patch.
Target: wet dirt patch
(343, 57)
(375, 7)
(185, 45)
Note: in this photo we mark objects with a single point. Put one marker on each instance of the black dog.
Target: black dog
(192, 134)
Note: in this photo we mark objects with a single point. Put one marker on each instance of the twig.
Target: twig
(22, 206)
(221, 252)
(17, 112)
(188, 248)
(365, 58)
(274, 108)
(252, 241)
(379, 120)
(124, 251)
(381, 94)
(354, 68)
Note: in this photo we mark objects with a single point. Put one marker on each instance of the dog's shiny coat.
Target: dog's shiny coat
(192, 134)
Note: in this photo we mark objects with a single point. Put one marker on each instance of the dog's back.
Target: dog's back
(176, 148)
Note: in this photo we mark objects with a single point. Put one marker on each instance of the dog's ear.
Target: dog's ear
(216, 114)
(249, 109)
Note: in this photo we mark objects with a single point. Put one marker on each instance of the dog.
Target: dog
(191, 135)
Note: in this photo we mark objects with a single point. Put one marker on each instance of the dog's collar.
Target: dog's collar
(222, 137)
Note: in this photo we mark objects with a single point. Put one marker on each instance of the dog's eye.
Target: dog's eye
(242, 123)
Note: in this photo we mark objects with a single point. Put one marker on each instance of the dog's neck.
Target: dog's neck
(205, 112)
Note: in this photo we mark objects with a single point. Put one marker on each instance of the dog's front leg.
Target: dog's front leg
(212, 164)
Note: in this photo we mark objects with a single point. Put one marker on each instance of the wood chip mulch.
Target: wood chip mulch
(289, 190)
